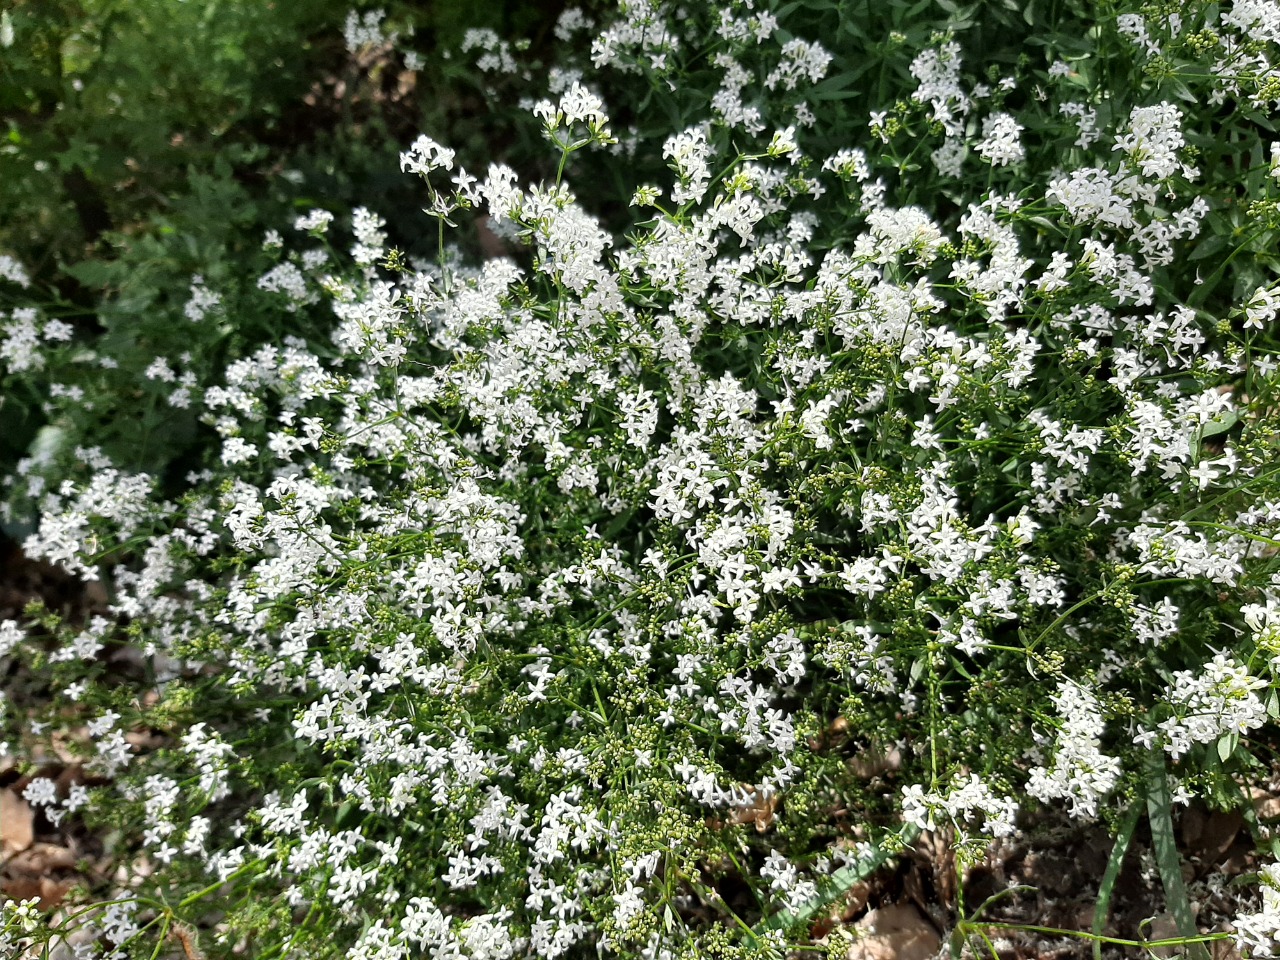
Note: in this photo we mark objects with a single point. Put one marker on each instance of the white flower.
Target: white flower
(425, 155)
(13, 271)
(11, 634)
(783, 142)
(1153, 140)
(938, 74)
(800, 60)
(363, 32)
(1262, 308)
(20, 346)
(316, 221)
(906, 230)
(1081, 774)
(1211, 703)
(286, 278)
(1001, 142)
(1258, 933)
(578, 107)
(690, 155)
(1091, 196)
(201, 302)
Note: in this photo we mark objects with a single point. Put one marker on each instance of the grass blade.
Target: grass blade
(1160, 813)
(835, 885)
(1112, 874)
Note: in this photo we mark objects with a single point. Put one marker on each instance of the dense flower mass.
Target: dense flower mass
(507, 600)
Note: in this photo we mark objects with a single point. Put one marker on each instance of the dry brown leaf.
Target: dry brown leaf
(855, 899)
(20, 888)
(758, 808)
(68, 747)
(42, 859)
(69, 776)
(1266, 804)
(874, 763)
(898, 932)
(17, 823)
(48, 891)
(1220, 832)
(53, 891)
(836, 733)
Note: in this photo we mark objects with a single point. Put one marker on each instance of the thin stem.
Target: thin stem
(215, 887)
(1083, 935)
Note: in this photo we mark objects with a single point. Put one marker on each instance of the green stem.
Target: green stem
(1098, 595)
(1198, 939)
(215, 887)
(564, 158)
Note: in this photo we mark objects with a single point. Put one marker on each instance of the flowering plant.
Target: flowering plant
(530, 599)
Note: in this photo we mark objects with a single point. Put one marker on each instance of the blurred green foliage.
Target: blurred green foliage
(110, 106)
(139, 138)
(147, 142)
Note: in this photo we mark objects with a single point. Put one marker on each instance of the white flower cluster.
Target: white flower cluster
(1001, 142)
(13, 271)
(1081, 773)
(288, 278)
(426, 155)
(1258, 933)
(24, 331)
(202, 301)
(364, 31)
(1219, 700)
(1153, 140)
(317, 221)
(784, 879)
(77, 523)
(937, 71)
(495, 57)
(969, 803)
(578, 107)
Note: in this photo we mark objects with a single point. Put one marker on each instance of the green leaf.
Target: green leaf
(835, 885)
(92, 273)
(1220, 424)
(1112, 874)
(1210, 246)
(344, 811)
(1256, 829)
(841, 86)
(1227, 746)
(1165, 844)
